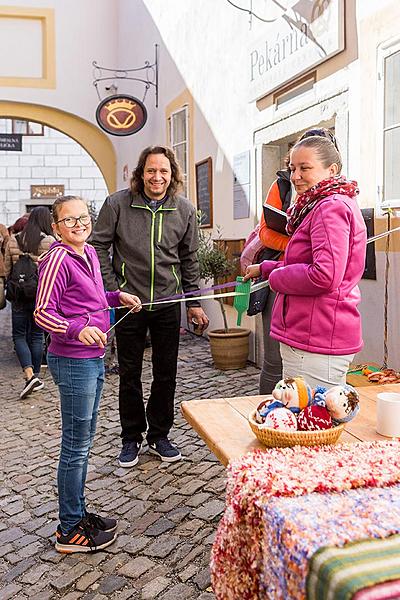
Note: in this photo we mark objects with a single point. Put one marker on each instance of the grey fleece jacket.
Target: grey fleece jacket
(154, 254)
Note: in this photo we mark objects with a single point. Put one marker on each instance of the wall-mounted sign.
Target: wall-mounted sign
(204, 191)
(241, 185)
(47, 191)
(11, 141)
(303, 37)
(121, 115)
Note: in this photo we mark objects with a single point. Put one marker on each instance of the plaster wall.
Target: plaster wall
(84, 31)
(51, 159)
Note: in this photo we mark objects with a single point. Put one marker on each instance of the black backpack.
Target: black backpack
(22, 282)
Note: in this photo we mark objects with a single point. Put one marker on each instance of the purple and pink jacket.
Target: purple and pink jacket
(68, 291)
(315, 308)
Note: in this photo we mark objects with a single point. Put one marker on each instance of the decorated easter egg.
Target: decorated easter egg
(281, 418)
(313, 418)
(262, 410)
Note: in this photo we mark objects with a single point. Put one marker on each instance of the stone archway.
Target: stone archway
(94, 141)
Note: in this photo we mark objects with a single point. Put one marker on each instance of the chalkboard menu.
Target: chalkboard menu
(204, 197)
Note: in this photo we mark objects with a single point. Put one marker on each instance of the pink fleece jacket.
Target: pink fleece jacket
(317, 293)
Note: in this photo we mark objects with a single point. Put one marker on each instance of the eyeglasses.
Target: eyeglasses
(71, 222)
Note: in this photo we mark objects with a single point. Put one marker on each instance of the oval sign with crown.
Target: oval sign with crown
(121, 115)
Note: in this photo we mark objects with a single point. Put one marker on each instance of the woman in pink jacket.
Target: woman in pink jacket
(315, 315)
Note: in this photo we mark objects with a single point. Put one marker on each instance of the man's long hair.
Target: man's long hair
(176, 184)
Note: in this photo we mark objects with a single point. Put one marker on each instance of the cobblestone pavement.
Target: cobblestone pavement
(167, 514)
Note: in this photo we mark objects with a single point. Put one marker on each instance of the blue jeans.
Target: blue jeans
(80, 383)
(27, 337)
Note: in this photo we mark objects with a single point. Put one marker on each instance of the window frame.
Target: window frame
(385, 50)
(27, 121)
(185, 168)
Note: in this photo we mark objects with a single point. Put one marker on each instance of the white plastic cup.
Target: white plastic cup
(388, 414)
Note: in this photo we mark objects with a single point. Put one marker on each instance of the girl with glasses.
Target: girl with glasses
(72, 306)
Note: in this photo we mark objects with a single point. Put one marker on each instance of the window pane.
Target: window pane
(180, 153)
(19, 126)
(392, 161)
(392, 89)
(179, 127)
(35, 128)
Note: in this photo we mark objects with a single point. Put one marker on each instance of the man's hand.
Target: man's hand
(131, 301)
(252, 272)
(197, 316)
(92, 335)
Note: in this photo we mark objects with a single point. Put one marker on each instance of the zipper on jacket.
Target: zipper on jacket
(160, 220)
(175, 274)
(152, 231)
(124, 281)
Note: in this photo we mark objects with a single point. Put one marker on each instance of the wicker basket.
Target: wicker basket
(277, 438)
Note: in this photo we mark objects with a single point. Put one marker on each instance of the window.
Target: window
(27, 127)
(178, 139)
(390, 134)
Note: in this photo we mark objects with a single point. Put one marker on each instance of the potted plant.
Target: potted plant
(230, 345)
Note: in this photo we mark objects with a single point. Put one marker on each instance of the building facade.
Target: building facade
(235, 90)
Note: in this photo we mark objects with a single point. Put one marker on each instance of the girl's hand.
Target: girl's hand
(131, 301)
(252, 272)
(92, 335)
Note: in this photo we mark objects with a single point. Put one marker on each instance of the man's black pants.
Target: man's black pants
(163, 325)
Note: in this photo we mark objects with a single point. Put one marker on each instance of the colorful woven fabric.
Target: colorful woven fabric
(296, 528)
(390, 590)
(340, 573)
(237, 554)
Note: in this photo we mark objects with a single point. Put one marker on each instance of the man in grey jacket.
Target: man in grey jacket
(152, 232)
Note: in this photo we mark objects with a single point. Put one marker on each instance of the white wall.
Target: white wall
(85, 30)
(52, 159)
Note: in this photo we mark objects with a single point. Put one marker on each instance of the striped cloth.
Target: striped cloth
(344, 573)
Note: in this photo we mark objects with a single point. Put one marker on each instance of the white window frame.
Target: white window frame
(185, 168)
(385, 50)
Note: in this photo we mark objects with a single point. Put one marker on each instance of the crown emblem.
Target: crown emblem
(121, 114)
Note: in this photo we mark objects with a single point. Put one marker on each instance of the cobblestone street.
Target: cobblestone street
(167, 514)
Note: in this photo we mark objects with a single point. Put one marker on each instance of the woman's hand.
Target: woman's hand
(252, 272)
(92, 335)
(133, 302)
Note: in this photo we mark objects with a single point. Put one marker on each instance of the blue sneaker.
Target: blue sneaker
(165, 450)
(129, 455)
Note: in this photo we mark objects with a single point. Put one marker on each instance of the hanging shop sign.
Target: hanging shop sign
(11, 141)
(305, 36)
(47, 191)
(121, 115)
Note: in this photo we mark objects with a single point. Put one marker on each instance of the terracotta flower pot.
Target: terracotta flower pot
(229, 349)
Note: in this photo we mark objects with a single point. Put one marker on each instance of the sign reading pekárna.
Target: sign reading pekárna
(303, 37)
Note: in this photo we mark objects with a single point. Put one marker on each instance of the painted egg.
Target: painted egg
(281, 418)
(314, 418)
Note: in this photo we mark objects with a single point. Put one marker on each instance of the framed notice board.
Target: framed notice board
(204, 191)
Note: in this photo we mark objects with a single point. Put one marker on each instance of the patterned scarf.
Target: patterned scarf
(306, 201)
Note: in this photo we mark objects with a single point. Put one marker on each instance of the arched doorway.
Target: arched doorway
(66, 140)
(95, 142)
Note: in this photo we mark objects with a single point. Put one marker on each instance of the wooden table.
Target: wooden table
(222, 422)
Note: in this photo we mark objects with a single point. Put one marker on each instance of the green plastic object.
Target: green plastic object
(241, 301)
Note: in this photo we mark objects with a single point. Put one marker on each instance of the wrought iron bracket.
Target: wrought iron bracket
(149, 79)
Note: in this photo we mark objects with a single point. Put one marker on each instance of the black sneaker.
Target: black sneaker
(165, 450)
(83, 538)
(32, 385)
(101, 523)
(129, 455)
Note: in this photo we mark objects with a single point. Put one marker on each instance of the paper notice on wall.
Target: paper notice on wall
(241, 168)
(241, 204)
